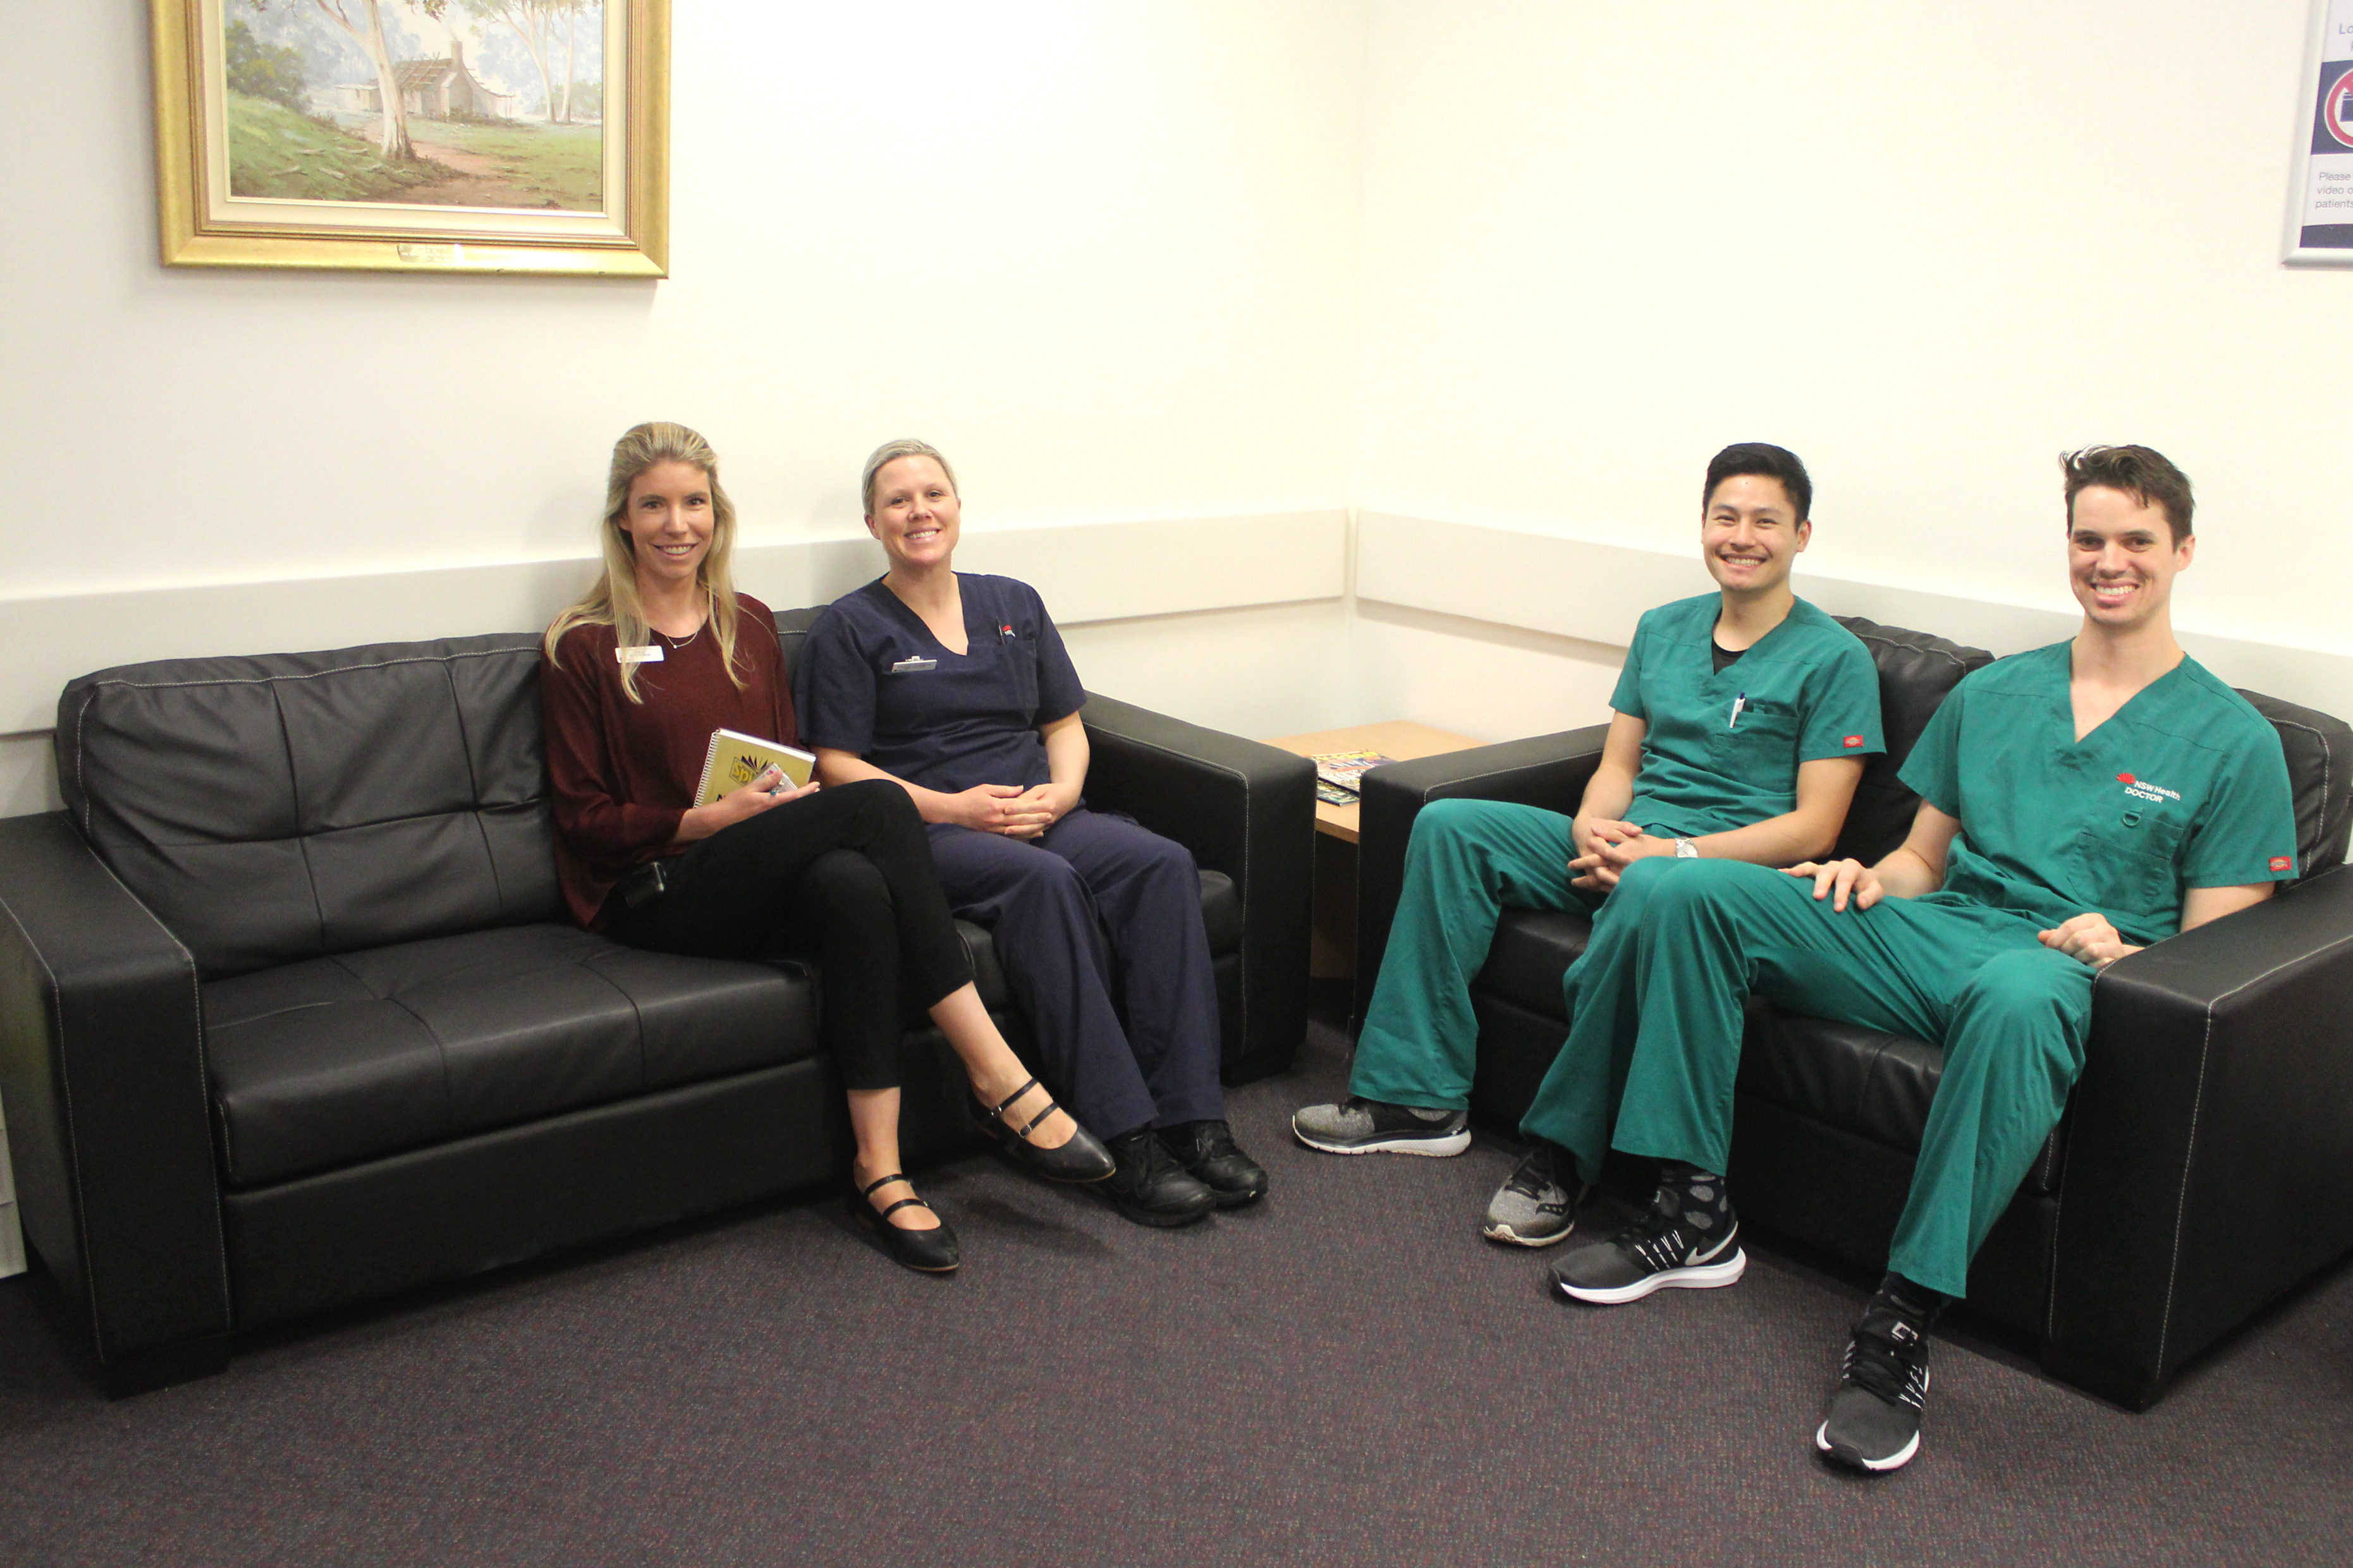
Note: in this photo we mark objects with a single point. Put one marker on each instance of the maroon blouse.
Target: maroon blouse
(622, 773)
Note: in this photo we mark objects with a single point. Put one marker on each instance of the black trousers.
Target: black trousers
(848, 868)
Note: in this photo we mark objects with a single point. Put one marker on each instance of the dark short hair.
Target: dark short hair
(2146, 475)
(1761, 458)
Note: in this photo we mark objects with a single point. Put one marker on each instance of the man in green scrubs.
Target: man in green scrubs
(1741, 720)
(2077, 802)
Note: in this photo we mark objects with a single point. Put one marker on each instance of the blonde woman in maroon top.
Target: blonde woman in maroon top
(633, 679)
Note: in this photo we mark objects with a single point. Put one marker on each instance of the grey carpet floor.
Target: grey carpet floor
(1346, 1374)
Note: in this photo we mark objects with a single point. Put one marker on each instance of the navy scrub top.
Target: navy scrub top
(2184, 786)
(1805, 690)
(873, 681)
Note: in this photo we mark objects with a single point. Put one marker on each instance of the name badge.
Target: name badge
(914, 666)
(650, 654)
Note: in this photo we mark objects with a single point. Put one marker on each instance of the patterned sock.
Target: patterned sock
(1698, 1196)
(1916, 1304)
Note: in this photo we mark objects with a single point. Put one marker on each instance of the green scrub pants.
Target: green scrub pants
(1467, 859)
(1656, 1014)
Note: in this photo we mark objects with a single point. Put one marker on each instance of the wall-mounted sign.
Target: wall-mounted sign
(2320, 218)
(524, 136)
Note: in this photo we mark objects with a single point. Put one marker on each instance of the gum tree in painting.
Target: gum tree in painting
(536, 23)
(363, 20)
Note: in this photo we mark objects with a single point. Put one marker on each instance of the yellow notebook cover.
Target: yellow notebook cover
(735, 760)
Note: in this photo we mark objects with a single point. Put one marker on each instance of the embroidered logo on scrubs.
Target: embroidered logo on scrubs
(2141, 789)
(1007, 630)
(1852, 741)
(2281, 863)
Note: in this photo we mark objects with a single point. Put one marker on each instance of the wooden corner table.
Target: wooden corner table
(1333, 954)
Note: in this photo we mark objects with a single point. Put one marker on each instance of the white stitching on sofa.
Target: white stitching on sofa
(204, 1067)
(2173, 1263)
(1243, 778)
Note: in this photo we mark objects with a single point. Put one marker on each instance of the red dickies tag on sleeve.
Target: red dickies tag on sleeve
(2281, 862)
(1852, 741)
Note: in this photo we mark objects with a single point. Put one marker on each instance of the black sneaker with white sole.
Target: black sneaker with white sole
(1874, 1423)
(1661, 1253)
(1360, 1126)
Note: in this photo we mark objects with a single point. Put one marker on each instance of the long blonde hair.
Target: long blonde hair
(614, 601)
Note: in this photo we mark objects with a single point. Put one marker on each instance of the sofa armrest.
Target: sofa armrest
(101, 1064)
(1549, 770)
(2210, 1161)
(1243, 808)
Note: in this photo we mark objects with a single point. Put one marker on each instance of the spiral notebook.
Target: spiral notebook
(735, 760)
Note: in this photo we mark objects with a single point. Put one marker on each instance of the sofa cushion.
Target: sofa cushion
(1532, 951)
(293, 805)
(329, 1061)
(2319, 751)
(1916, 671)
(1864, 1081)
(1860, 1080)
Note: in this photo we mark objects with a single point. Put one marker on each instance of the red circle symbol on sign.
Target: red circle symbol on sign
(2336, 110)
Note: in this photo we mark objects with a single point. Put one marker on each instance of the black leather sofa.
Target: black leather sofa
(2205, 1165)
(290, 1017)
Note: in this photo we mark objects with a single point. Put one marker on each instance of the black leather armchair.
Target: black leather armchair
(290, 1017)
(2205, 1163)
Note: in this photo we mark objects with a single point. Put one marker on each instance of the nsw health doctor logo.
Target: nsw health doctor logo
(2140, 789)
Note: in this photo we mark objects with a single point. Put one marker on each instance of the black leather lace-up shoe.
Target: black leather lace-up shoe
(1150, 1187)
(1208, 1151)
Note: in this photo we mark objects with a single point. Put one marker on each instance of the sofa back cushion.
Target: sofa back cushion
(296, 805)
(792, 631)
(2319, 750)
(1916, 671)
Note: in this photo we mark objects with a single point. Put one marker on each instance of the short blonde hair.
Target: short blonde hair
(614, 601)
(889, 452)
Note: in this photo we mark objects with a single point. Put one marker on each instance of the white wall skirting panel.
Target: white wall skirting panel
(1088, 574)
(1577, 588)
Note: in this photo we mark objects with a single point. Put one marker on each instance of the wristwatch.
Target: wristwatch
(1686, 850)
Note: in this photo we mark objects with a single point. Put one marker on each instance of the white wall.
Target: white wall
(1104, 255)
(1513, 266)
(1926, 247)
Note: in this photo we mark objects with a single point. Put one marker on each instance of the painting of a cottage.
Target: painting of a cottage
(461, 103)
(429, 89)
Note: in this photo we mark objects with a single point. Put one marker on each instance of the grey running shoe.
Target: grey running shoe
(1359, 1126)
(1658, 1252)
(1535, 1207)
(1874, 1423)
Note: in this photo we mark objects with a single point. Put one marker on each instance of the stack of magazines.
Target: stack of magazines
(1339, 776)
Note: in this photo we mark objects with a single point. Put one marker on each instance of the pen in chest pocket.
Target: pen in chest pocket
(1737, 704)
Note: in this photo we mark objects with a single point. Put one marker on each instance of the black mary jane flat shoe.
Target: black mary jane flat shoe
(1082, 1159)
(931, 1251)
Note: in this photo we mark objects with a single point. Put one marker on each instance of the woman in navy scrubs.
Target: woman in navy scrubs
(956, 687)
(633, 680)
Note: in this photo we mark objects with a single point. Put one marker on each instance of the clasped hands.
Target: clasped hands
(2088, 938)
(1013, 812)
(1606, 847)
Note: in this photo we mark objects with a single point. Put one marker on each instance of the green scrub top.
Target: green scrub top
(1806, 689)
(2185, 786)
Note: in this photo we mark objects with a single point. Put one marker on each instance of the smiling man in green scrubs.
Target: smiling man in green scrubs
(1741, 719)
(2077, 802)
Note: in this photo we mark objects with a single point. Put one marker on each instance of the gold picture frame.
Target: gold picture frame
(537, 180)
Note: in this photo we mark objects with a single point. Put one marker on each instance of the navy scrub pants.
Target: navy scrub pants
(1049, 902)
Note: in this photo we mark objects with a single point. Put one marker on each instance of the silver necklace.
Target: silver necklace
(688, 639)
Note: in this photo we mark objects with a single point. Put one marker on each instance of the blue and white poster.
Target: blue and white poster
(2320, 227)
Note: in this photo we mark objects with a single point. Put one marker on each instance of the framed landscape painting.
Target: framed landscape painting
(415, 135)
